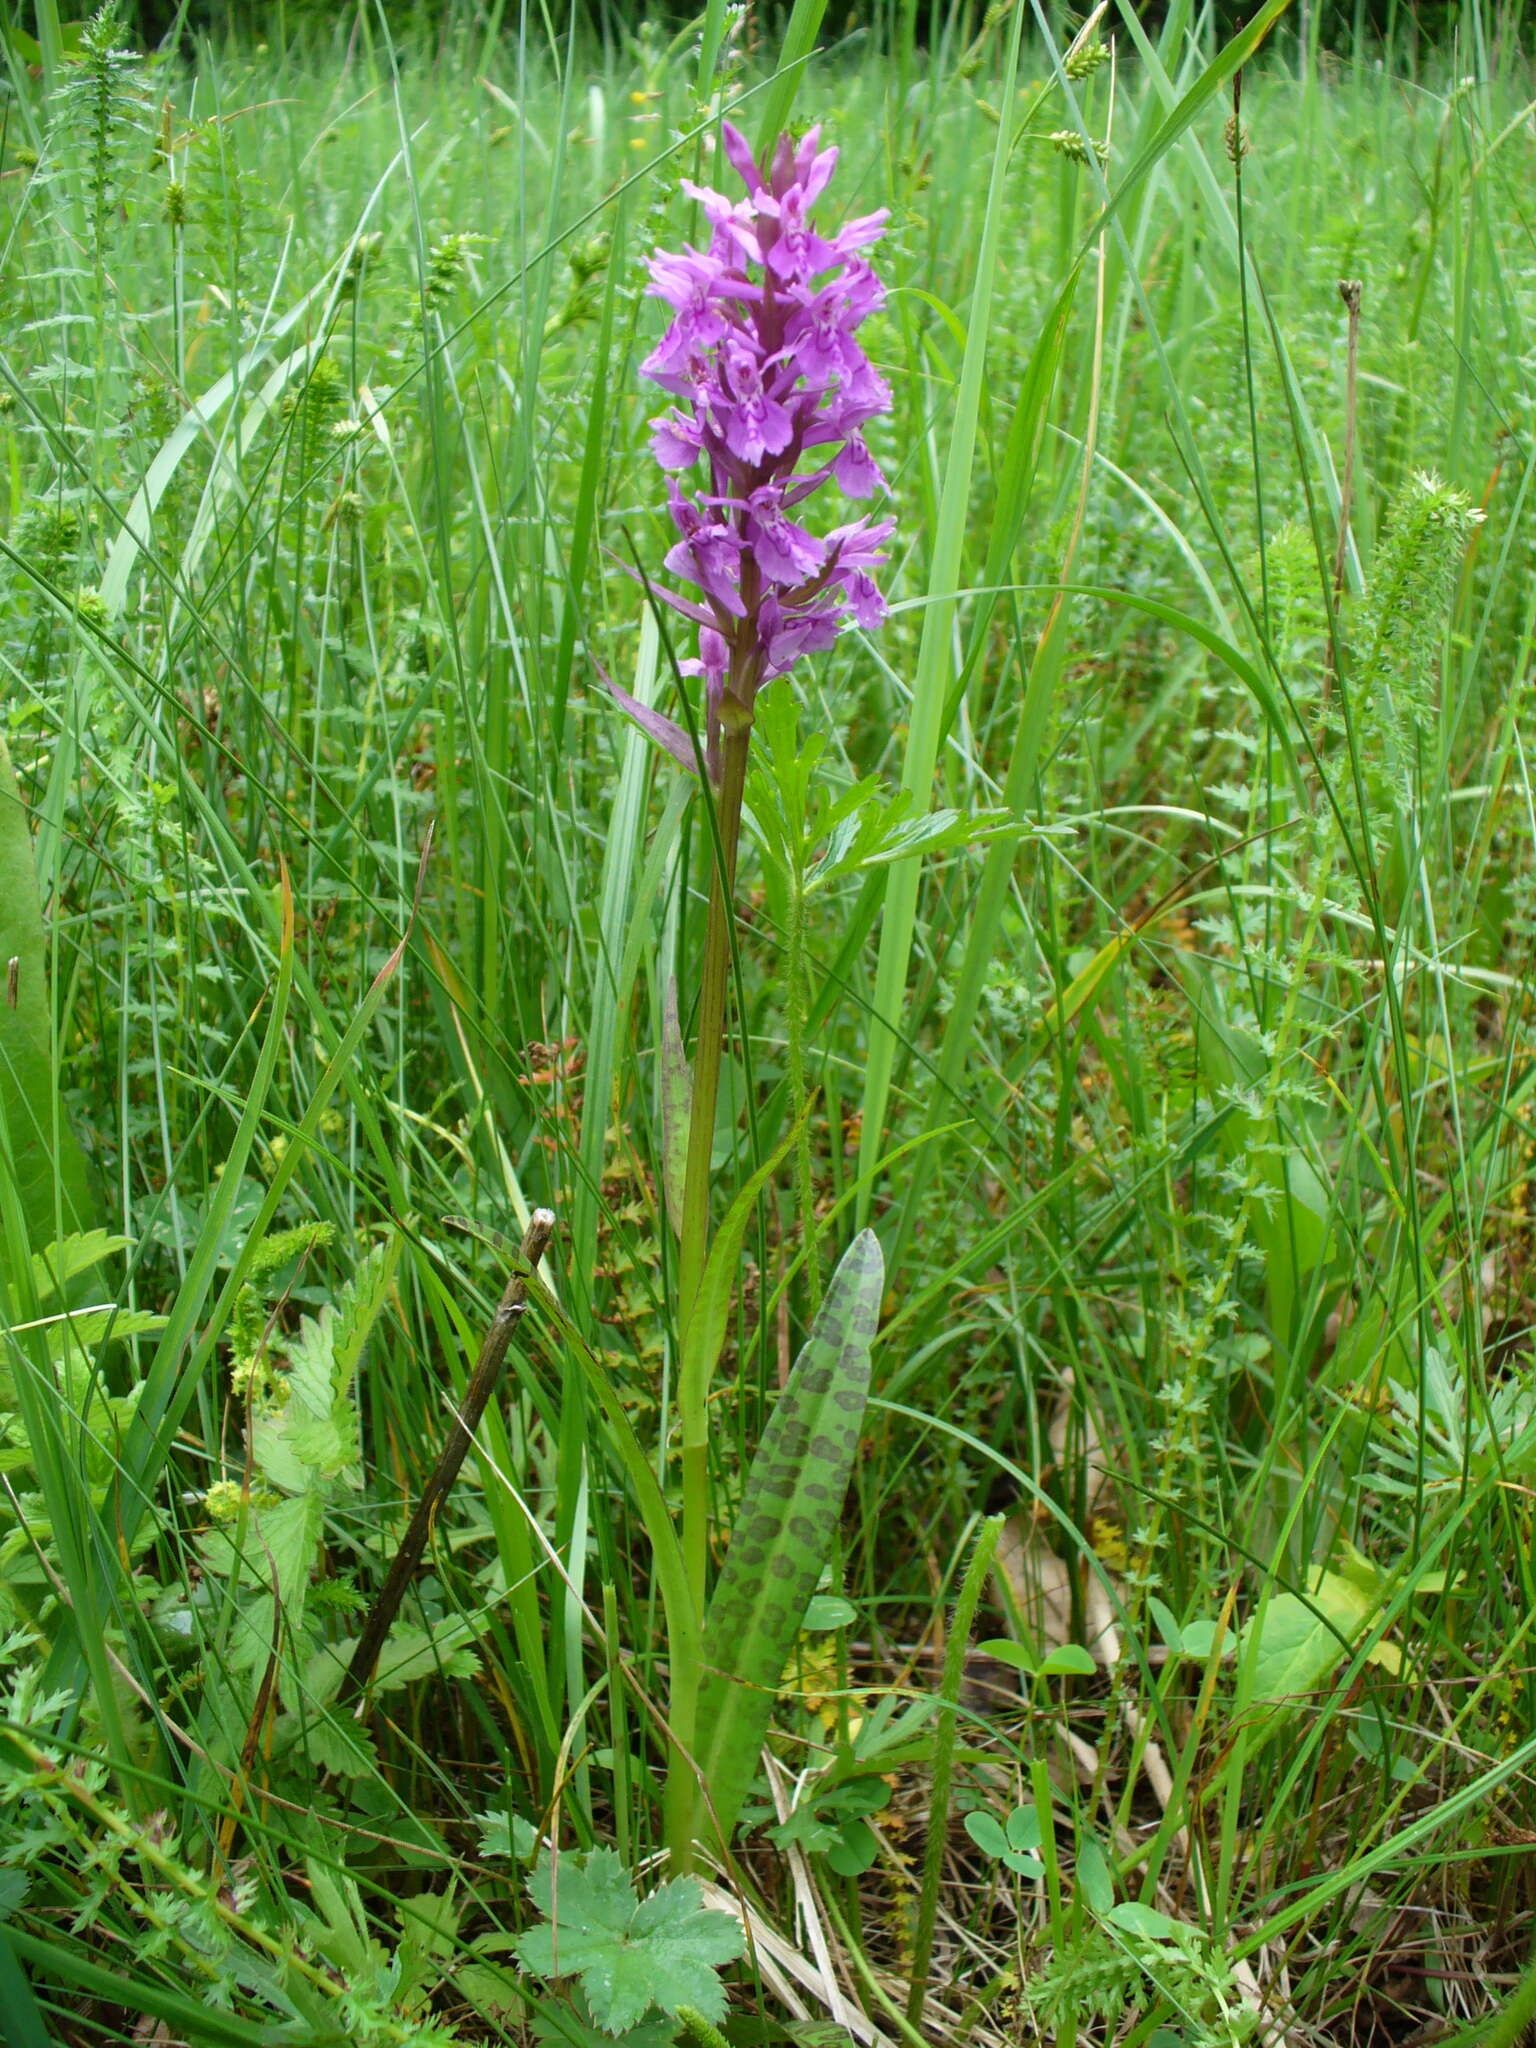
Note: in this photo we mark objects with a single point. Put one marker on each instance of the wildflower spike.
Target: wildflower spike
(773, 392)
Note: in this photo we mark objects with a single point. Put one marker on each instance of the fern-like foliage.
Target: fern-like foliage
(99, 122)
(1409, 603)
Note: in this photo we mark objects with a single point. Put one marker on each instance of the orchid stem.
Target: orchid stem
(681, 1802)
(796, 1014)
(710, 1046)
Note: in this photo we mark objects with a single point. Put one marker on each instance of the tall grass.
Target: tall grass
(1193, 1113)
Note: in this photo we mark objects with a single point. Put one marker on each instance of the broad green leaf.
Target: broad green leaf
(855, 1850)
(789, 1510)
(1068, 1660)
(37, 1146)
(827, 1611)
(1295, 1643)
(1007, 1651)
(1198, 1639)
(312, 1439)
(1023, 1829)
(1131, 1917)
(284, 1441)
(275, 1548)
(986, 1831)
(1169, 1633)
(1094, 1880)
(413, 1654)
(507, 1834)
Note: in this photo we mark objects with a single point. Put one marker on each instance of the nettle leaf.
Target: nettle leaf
(53, 1269)
(784, 1527)
(633, 1956)
(313, 1440)
(275, 1552)
(409, 1656)
(509, 1835)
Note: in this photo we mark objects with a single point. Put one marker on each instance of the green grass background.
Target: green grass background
(1194, 1119)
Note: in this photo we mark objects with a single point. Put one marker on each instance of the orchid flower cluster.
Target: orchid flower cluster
(761, 355)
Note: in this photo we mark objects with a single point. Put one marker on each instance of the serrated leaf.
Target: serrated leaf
(412, 1654)
(361, 1303)
(85, 1329)
(569, 2025)
(343, 1747)
(632, 1956)
(496, 1990)
(312, 1440)
(276, 1551)
(509, 1835)
(409, 1655)
(53, 1269)
(784, 1527)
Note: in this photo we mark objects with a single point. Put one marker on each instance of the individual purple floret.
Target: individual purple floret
(761, 356)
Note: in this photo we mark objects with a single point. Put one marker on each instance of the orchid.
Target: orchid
(770, 393)
(774, 392)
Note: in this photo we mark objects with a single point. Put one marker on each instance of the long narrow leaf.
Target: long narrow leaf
(930, 686)
(784, 1528)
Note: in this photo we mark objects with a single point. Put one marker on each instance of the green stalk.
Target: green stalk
(946, 1734)
(796, 1006)
(930, 686)
(710, 1045)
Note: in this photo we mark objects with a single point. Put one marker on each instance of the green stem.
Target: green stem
(945, 1735)
(795, 1033)
(686, 1673)
(710, 1045)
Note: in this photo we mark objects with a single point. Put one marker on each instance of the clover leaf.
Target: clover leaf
(632, 1955)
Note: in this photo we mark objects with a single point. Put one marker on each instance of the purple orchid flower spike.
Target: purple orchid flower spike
(761, 356)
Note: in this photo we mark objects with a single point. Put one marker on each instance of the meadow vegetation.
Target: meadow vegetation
(1135, 934)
